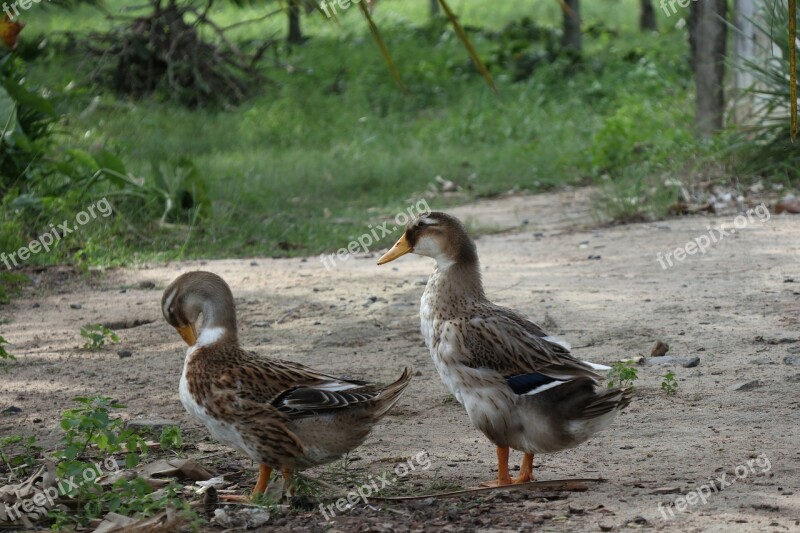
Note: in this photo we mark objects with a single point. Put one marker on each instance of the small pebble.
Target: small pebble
(124, 353)
(660, 349)
(666, 490)
(746, 386)
(75, 306)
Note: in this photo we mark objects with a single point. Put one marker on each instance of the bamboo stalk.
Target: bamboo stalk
(793, 66)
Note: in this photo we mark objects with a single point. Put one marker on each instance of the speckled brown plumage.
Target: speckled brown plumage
(522, 388)
(279, 413)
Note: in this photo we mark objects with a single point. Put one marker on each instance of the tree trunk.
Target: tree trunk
(295, 33)
(708, 32)
(747, 45)
(571, 37)
(434, 8)
(647, 18)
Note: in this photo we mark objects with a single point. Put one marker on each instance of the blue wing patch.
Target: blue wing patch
(524, 383)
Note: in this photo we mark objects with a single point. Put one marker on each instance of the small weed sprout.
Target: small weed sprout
(171, 439)
(90, 427)
(18, 454)
(304, 487)
(97, 335)
(669, 384)
(622, 373)
(5, 357)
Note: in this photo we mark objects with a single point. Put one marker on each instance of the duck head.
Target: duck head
(196, 293)
(437, 235)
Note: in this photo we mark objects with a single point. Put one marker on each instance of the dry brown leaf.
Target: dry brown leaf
(29, 501)
(188, 468)
(165, 522)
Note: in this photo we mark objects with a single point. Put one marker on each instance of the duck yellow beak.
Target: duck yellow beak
(401, 247)
(188, 334)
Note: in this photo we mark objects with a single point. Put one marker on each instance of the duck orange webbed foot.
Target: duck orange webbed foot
(503, 478)
(264, 474)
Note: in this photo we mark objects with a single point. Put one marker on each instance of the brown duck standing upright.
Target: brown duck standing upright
(281, 414)
(521, 388)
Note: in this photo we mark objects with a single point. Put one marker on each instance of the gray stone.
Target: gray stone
(151, 423)
(668, 360)
(666, 490)
(691, 362)
(746, 386)
(792, 360)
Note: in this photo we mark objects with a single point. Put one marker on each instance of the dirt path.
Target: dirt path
(736, 307)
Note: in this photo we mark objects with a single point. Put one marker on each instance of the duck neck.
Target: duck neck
(457, 285)
(219, 324)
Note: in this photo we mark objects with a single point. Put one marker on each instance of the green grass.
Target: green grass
(299, 170)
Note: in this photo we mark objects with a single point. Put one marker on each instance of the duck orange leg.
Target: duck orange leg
(525, 470)
(264, 473)
(287, 484)
(502, 470)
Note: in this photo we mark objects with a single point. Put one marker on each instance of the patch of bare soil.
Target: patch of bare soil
(735, 418)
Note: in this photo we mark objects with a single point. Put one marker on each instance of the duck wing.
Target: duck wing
(506, 341)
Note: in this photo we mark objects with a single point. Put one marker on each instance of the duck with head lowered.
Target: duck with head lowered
(521, 387)
(281, 414)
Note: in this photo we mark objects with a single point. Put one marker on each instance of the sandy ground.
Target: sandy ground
(737, 308)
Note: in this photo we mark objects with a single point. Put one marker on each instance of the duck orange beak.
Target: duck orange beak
(400, 248)
(188, 334)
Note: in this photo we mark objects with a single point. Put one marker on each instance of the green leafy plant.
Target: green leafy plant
(622, 373)
(134, 498)
(18, 454)
(91, 437)
(90, 431)
(97, 335)
(171, 438)
(4, 355)
(669, 384)
(10, 283)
